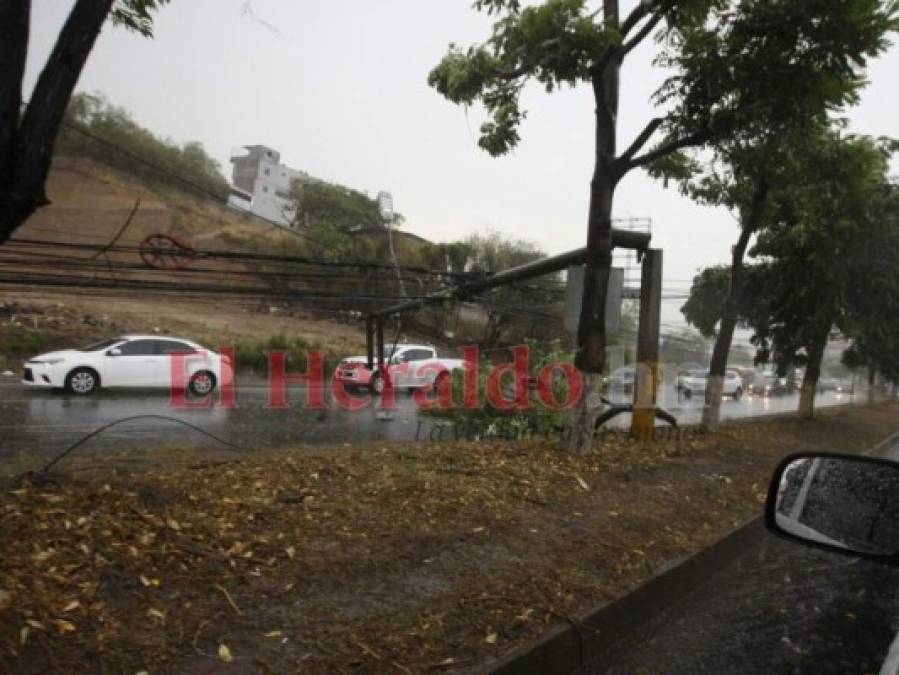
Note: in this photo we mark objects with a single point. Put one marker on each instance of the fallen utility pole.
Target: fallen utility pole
(638, 241)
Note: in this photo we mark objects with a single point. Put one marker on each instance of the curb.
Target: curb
(590, 643)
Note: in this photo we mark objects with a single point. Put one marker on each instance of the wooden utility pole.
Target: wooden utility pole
(646, 379)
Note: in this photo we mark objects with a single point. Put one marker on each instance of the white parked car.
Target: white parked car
(128, 361)
(409, 367)
(694, 382)
(622, 380)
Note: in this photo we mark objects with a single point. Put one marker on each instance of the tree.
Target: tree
(818, 248)
(828, 225)
(738, 66)
(28, 132)
(491, 252)
(872, 322)
(339, 220)
(739, 171)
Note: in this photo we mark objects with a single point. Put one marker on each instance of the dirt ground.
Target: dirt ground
(71, 319)
(411, 559)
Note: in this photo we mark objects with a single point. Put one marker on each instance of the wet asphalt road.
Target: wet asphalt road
(780, 608)
(45, 422)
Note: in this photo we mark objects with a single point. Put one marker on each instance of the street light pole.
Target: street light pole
(385, 206)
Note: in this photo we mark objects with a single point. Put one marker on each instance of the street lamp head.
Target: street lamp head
(385, 206)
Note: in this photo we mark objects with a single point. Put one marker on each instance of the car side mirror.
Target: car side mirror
(115, 351)
(842, 503)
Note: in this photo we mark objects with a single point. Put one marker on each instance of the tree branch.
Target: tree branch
(40, 124)
(665, 150)
(640, 12)
(637, 14)
(645, 30)
(641, 140)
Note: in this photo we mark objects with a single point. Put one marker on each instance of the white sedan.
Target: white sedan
(695, 382)
(128, 361)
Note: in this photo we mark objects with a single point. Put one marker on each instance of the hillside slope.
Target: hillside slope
(90, 205)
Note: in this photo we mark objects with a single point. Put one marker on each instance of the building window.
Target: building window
(268, 172)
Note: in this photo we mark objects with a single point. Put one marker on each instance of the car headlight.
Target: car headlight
(47, 362)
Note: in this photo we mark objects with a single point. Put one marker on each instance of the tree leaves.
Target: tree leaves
(136, 15)
(555, 43)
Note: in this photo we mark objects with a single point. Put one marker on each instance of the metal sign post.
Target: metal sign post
(574, 297)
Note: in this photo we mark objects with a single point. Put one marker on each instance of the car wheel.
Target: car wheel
(82, 381)
(201, 383)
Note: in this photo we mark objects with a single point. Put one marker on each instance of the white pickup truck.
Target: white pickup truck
(409, 367)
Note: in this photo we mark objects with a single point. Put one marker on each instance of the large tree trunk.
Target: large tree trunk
(15, 20)
(28, 147)
(591, 355)
(813, 373)
(750, 222)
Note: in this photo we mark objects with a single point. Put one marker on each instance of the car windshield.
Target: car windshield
(100, 346)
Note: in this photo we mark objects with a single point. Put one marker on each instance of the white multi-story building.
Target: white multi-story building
(261, 184)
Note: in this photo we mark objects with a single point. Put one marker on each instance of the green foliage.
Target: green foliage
(710, 290)
(252, 355)
(708, 294)
(555, 43)
(338, 219)
(24, 343)
(490, 421)
(342, 207)
(491, 252)
(828, 259)
(872, 293)
(115, 127)
(739, 69)
(136, 15)
(756, 69)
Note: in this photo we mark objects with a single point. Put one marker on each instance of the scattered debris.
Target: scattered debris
(397, 556)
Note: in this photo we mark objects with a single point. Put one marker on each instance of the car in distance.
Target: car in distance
(622, 380)
(128, 361)
(408, 367)
(694, 382)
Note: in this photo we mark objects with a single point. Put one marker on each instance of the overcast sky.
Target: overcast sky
(339, 88)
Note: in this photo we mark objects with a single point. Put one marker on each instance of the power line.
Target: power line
(237, 256)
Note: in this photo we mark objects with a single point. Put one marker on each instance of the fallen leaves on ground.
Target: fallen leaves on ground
(409, 559)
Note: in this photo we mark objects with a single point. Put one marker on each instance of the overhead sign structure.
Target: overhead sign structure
(574, 296)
